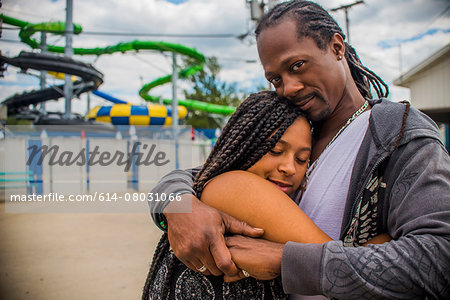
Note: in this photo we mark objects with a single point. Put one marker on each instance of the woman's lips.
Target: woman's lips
(285, 187)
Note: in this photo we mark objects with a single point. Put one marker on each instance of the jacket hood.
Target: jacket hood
(387, 130)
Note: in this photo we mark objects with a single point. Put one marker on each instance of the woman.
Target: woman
(271, 140)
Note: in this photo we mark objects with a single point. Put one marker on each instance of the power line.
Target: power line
(11, 41)
(177, 35)
(149, 63)
(24, 13)
(347, 21)
(438, 16)
(246, 60)
(11, 28)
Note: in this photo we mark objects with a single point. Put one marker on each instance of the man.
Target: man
(376, 166)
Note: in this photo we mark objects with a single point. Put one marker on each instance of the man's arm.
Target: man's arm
(195, 230)
(416, 263)
(261, 204)
(177, 181)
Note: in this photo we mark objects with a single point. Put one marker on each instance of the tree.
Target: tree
(208, 88)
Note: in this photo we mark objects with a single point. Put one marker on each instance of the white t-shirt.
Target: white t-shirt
(328, 184)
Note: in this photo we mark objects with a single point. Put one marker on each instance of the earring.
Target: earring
(339, 57)
(304, 182)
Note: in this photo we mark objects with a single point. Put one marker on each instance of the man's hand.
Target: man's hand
(260, 258)
(197, 238)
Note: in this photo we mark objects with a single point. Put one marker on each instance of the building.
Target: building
(429, 83)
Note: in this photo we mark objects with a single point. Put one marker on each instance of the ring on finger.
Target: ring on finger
(202, 269)
(246, 274)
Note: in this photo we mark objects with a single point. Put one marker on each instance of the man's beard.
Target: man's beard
(322, 114)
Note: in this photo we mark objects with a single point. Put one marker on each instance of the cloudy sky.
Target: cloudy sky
(377, 27)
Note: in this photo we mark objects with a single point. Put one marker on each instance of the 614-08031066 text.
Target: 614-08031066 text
(101, 197)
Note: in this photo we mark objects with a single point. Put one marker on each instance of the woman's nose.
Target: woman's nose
(287, 166)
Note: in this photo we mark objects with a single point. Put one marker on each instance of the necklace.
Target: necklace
(350, 120)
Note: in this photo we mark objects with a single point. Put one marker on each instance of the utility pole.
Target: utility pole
(43, 77)
(259, 7)
(256, 9)
(88, 102)
(175, 106)
(174, 91)
(272, 3)
(345, 8)
(68, 52)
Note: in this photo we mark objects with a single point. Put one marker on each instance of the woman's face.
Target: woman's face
(285, 165)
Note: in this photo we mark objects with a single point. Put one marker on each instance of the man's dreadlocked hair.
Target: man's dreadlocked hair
(253, 130)
(315, 22)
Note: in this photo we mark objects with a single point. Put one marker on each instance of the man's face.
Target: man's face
(314, 79)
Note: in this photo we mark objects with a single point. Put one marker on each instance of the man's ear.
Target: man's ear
(337, 45)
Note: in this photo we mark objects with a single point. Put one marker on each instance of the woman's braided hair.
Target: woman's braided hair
(253, 130)
(315, 22)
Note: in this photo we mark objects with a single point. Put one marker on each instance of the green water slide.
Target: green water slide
(28, 29)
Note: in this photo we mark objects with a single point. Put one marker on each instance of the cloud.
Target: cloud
(176, 1)
(394, 43)
(124, 74)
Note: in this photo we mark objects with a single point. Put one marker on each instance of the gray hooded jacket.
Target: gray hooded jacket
(400, 184)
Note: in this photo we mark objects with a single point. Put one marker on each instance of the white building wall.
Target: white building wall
(431, 89)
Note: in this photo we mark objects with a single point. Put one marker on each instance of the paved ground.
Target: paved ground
(75, 256)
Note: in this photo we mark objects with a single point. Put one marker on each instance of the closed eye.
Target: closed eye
(301, 161)
(274, 152)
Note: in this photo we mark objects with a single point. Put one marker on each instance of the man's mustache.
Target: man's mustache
(307, 96)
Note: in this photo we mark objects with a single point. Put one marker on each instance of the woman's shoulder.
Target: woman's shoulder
(236, 182)
(236, 178)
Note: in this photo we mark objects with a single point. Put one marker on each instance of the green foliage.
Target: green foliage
(208, 88)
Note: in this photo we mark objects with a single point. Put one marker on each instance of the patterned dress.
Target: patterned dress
(188, 284)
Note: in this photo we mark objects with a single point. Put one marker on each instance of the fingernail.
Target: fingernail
(258, 228)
